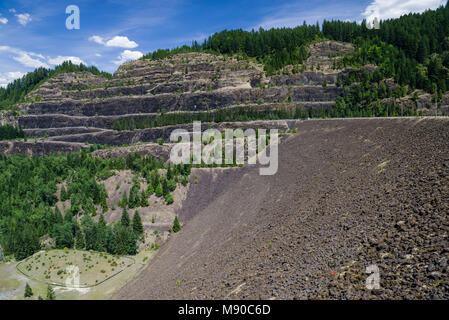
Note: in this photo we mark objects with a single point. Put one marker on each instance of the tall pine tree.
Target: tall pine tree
(125, 218)
(137, 224)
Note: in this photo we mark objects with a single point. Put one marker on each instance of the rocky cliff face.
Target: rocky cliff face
(190, 82)
(191, 101)
(52, 122)
(118, 138)
(39, 147)
(8, 117)
(79, 106)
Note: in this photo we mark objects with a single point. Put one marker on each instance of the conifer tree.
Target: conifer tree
(154, 176)
(28, 292)
(144, 199)
(124, 202)
(58, 216)
(50, 293)
(102, 221)
(68, 217)
(176, 225)
(165, 189)
(102, 234)
(158, 191)
(64, 194)
(80, 242)
(125, 218)
(169, 172)
(137, 224)
(104, 203)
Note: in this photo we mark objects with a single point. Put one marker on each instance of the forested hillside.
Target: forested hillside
(29, 193)
(275, 48)
(16, 90)
(413, 50)
(381, 66)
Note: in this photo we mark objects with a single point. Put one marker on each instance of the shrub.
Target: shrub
(171, 184)
(150, 190)
(169, 198)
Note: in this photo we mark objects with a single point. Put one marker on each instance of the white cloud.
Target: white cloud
(128, 55)
(12, 10)
(28, 59)
(36, 60)
(3, 20)
(117, 41)
(38, 55)
(61, 59)
(97, 39)
(8, 77)
(388, 9)
(16, 74)
(121, 42)
(23, 18)
(98, 55)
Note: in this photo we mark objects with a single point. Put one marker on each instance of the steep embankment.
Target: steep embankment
(348, 194)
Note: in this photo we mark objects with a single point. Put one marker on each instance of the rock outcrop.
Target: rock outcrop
(80, 107)
(39, 147)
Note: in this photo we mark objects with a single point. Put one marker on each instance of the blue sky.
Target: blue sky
(33, 32)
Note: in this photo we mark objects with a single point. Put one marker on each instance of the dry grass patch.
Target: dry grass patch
(56, 266)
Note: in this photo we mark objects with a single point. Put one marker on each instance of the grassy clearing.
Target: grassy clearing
(8, 284)
(12, 281)
(56, 266)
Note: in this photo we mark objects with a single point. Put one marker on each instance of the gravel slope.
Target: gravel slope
(348, 193)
